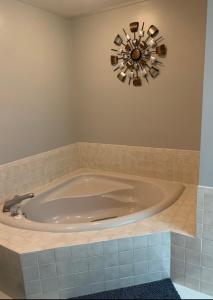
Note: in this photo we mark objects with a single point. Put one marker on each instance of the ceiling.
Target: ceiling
(75, 8)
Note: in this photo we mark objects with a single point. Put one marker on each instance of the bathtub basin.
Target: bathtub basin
(94, 201)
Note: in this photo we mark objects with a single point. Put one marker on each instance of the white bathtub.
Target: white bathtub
(94, 201)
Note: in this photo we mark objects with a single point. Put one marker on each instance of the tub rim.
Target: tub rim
(95, 226)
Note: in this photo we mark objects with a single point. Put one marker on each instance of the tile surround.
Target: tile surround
(67, 277)
(53, 270)
(35, 171)
(192, 258)
(32, 172)
(167, 164)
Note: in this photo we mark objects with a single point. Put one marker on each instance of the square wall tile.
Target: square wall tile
(96, 276)
(206, 288)
(155, 266)
(67, 293)
(96, 249)
(207, 218)
(49, 285)
(208, 247)
(155, 276)
(47, 271)
(141, 279)
(178, 240)
(111, 260)
(177, 267)
(208, 201)
(207, 261)
(193, 258)
(208, 232)
(178, 278)
(97, 287)
(125, 245)
(33, 287)
(110, 247)
(81, 279)
(112, 273)
(140, 242)
(64, 268)
(193, 244)
(31, 273)
(154, 239)
(140, 255)
(192, 283)
(178, 252)
(126, 282)
(140, 268)
(62, 253)
(29, 259)
(46, 257)
(166, 239)
(96, 262)
(66, 282)
(207, 275)
(193, 271)
(126, 270)
(80, 251)
(112, 284)
(126, 257)
(83, 291)
(80, 265)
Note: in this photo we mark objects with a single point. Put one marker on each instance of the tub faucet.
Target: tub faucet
(8, 205)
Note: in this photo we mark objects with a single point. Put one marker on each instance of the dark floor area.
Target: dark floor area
(163, 289)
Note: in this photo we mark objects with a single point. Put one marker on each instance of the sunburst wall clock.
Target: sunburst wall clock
(138, 57)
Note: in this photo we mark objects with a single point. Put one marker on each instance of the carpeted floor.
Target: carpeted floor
(163, 289)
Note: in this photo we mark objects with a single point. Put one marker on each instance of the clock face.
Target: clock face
(137, 55)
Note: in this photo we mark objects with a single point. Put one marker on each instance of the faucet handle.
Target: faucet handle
(31, 195)
(15, 211)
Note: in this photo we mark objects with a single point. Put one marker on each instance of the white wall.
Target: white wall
(206, 170)
(167, 113)
(36, 99)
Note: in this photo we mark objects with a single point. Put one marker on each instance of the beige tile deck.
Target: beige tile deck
(180, 218)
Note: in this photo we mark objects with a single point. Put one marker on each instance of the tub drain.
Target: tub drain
(103, 219)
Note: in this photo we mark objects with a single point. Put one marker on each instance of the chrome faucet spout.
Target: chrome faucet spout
(16, 200)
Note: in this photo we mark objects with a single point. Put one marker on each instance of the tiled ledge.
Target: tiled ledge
(192, 260)
(26, 174)
(168, 164)
(29, 173)
(180, 218)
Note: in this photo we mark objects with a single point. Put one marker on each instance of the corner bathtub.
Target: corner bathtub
(94, 201)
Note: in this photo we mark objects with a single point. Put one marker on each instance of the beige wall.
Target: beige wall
(35, 81)
(57, 85)
(167, 113)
